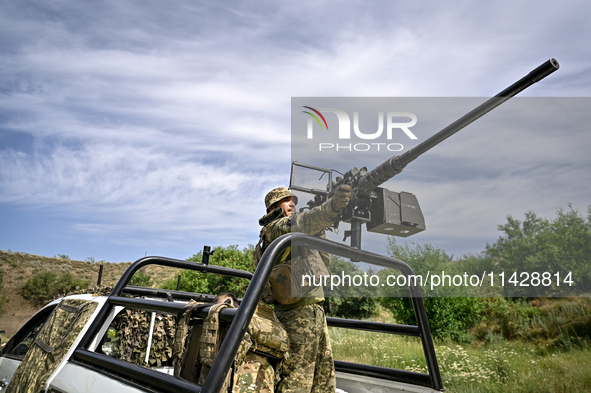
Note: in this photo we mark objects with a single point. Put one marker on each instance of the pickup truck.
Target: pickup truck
(80, 360)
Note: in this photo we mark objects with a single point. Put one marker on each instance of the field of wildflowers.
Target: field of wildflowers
(502, 366)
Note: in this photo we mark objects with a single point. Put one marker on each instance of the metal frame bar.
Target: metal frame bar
(240, 319)
(391, 374)
(378, 327)
(300, 239)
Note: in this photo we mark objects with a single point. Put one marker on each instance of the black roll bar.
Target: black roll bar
(121, 285)
(299, 239)
(226, 354)
(223, 361)
(241, 317)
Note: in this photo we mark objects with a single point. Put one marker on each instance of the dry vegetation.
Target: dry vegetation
(18, 267)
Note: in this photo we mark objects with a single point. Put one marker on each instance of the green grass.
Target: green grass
(502, 366)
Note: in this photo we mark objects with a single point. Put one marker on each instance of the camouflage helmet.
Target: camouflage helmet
(277, 194)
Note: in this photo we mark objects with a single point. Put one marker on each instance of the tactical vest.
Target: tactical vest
(291, 279)
(264, 343)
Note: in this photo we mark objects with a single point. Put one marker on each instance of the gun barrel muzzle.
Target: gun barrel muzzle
(395, 165)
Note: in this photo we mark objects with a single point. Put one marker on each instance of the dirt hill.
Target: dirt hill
(18, 267)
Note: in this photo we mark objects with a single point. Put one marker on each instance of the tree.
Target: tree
(211, 283)
(348, 301)
(420, 257)
(448, 316)
(562, 246)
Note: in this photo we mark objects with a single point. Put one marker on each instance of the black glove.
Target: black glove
(341, 197)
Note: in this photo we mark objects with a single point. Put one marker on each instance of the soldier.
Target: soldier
(310, 366)
(228, 298)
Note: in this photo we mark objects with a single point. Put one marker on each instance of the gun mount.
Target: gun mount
(393, 213)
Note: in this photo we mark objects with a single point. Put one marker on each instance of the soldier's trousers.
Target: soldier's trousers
(310, 366)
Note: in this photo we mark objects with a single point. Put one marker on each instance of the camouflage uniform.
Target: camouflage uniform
(310, 366)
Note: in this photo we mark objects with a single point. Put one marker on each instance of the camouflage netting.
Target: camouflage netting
(51, 345)
(130, 332)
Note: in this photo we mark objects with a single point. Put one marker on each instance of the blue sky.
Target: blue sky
(129, 128)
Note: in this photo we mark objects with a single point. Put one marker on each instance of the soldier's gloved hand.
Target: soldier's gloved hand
(341, 197)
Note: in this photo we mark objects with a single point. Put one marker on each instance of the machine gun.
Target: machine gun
(392, 213)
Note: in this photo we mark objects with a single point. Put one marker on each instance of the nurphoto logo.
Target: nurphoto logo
(393, 124)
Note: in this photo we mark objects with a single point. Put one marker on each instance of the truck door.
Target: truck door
(17, 347)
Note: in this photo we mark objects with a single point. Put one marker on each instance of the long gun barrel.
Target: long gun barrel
(395, 165)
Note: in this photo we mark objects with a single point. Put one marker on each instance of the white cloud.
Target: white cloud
(135, 187)
(154, 116)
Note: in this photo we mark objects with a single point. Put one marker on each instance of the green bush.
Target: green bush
(348, 302)
(559, 322)
(210, 283)
(45, 286)
(569, 320)
(422, 258)
(451, 317)
(141, 279)
(509, 318)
